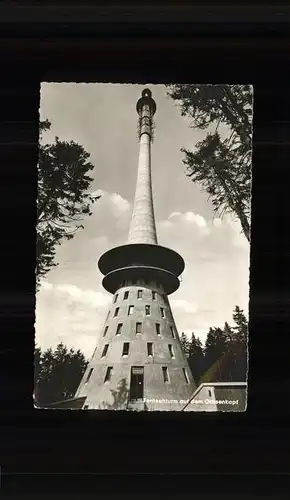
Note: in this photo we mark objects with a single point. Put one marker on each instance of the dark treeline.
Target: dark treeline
(223, 358)
(57, 374)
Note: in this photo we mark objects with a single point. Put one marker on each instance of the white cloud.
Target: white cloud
(215, 278)
(69, 314)
(198, 219)
(184, 305)
(217, 222)
(111, 204)
(71, 304)
(114, 202)
(238, 238)
(85, 343)
(240, 241)
(174, 214)
(45, 285)
(165, 224)
(119, 203)
(98, 192)
(188, 217)
(83, 296)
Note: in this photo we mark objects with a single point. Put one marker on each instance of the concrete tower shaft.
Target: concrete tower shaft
(142, 257)
(142, 228)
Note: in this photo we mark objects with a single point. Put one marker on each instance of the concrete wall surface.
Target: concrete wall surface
(167, 352)
(219, 396)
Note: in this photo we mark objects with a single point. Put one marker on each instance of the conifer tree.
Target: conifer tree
(185, 343)
(196, 359)
(63, 198)
(57, 373)
(239, 345)
(241, 324)
(220, 163)
(215, 346)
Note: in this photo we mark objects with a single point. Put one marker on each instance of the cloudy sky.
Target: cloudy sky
(71, 304)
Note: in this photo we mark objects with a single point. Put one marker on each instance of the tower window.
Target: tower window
(147, 310)
(171, 350)
(138, 327)
(185, 375)
(209, 393)
(172, 332)
(158, 328)
(126, 347)
(153, 295)
(115, 298)
(150, 348)
(108, 374)
(130, 310)
(106, 331)
(108, 315)
(89, 375)
(165, 373)
(119, 328)
(162, 312)
(140, 294)
(105, 350)
(126, 295)
(116, 312)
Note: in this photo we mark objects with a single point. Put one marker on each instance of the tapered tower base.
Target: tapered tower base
(154, 375)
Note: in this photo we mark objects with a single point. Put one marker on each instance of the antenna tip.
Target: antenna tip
(146, 98)
(146, 93)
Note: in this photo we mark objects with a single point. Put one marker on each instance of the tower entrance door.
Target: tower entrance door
(137, 383)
